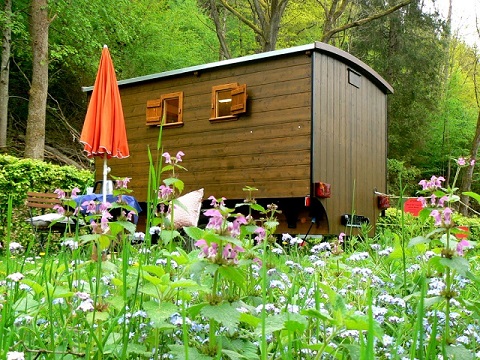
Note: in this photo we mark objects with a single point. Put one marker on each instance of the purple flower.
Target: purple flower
(340, 237)
(60, 209)
(461, 161)
(261, 234)
(461, 245)
(442, 200)
(234, 227)
(122, 183)
(433, 199)
(164, 192)
(60, 193)
(75, 192)
(91, 207)
(168, 158)
(208, 251)
(230, 252)
(437, 216)
(179, 156)
(423, 201)
(447, 216)
(472, 162)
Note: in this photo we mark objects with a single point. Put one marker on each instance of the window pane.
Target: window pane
(170, 110)
(224, 102)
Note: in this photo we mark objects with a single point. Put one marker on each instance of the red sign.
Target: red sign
(412, 206)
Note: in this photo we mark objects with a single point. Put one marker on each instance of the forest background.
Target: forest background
(51, 48)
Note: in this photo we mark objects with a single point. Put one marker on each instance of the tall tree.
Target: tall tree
(37, 106)
(5, 71)
(468, 173)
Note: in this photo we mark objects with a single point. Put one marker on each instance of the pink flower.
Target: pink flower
(261, 234)
(462, 245)
(208, 251)
(234, 227)
(447, 216)
(91, 207)
(168, 158)
(179, 156)
(75, 192)
(472, 163)
(15, 277)
(231, 253)
(432, 199)
(423, 201)
(437, 216)
(60, 193)
(60, 209)
(442, 200)
(122, 183)
(424, 184)
(340, 237)
(164, 192)
(461, 161)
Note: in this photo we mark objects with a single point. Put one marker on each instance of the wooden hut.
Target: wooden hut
(306, 126)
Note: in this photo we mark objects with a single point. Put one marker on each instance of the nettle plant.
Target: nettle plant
(439, 201)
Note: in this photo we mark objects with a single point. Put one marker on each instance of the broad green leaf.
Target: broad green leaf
(168, 236)
(159, 312)
(457, 263)
(194, 310)
(26, 304)
(178, 351)
(154, 269)
(313, 313)
(194, 232)
(233, 274)
(223, 313)
(459, 352)
(233, 355)
(473, 195)
(37, 288)
(249, 319)
(418, 240)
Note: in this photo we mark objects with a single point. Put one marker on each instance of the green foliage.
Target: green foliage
(17, 176)
(410, 176)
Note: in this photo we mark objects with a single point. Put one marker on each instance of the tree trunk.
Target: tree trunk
(468, 172)
(5, 73)
(220, 30)
(37, 106)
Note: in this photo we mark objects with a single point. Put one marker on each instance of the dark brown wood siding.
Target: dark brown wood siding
(349, 141)
(268, 148)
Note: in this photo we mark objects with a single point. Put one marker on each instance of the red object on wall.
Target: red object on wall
(383, 202)
(412, 206)
(322, 190)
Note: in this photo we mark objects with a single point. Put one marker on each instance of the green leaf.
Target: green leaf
(314, 313)
(159, 312)
(34, 285)
(156, 270)
(249, 319)
(459, 352)
(178, 351)
(223, 313)
(194, 232)
(457, 263)
(233, 274)
(167, 236)
(418, 240)
(473, 195)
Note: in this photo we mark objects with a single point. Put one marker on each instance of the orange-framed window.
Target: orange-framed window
(228, 101)
(166, 111)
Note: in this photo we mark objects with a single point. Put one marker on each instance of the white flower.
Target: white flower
(15, 246)
(73, 245)
(15, 355)
(86, 305)
(358, 256)
(16, 277)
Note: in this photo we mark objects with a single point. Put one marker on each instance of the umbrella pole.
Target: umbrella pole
(105, 171)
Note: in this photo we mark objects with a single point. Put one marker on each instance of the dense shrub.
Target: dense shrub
(17, 176)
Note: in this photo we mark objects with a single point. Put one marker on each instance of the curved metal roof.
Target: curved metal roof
(332, 51)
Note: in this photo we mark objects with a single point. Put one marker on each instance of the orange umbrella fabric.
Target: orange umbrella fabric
(103, 132)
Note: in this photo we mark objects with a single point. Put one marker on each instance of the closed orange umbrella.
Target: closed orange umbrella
(103, 132)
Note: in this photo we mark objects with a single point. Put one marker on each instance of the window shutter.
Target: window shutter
(154, 112)
(239, 100)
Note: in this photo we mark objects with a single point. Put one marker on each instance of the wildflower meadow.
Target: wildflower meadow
(234, 289)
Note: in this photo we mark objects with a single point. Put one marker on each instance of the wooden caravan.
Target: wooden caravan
(306, 126)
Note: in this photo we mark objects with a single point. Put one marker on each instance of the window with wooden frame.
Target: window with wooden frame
(166, 111)
(228, 101)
